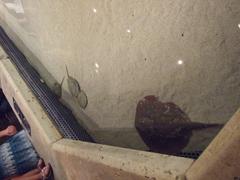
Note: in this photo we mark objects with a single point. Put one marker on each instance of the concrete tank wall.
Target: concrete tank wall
(186, 51)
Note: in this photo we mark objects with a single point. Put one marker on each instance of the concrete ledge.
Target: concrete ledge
(221, 159)
(43, 131)
(93, 161)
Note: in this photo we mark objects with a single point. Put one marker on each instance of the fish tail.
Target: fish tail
(62, 81)
(204, 126)
(67, 70)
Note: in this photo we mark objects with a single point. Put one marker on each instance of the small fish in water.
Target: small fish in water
(73, 85)
(82, 99)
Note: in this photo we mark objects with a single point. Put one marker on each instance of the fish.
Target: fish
(73, 85)
(58, 88)
(164, 127)
(82, 100)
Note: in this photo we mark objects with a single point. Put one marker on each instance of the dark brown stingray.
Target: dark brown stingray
(164, 127)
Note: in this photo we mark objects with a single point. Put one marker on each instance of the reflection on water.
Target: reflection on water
(180, 62)
(94, 10)
(16, 9)
(96, 65)
(15, 5)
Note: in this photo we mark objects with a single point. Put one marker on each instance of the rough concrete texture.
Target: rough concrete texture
(186, 52)
(222, 155)
(105, 162)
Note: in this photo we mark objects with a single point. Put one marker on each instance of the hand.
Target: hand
(10, 130)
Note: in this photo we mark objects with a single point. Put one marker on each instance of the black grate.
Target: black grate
(61, 116)
(192, 155)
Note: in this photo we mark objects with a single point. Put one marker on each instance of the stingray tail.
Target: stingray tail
(67, 70)
(197, 125)
(62, 81)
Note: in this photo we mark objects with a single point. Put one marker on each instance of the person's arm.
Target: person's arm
(2, 133)
(9, 131)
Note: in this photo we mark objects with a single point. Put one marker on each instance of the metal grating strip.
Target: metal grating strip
(61, 116)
